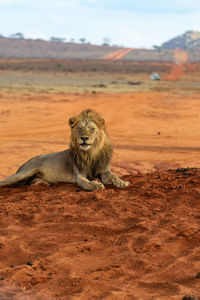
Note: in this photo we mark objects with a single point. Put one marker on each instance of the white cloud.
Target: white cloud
(67, 4)
(12, 1)
(56, 18)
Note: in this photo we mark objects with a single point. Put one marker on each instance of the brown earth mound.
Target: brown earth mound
(143, 242)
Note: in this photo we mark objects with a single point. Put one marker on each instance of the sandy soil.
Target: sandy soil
(138, 243)
(149, 131)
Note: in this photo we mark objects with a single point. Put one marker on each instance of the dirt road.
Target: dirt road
(118, 54)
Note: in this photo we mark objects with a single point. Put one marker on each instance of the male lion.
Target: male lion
(87, 158)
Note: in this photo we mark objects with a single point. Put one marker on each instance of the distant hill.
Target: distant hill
(28, 48)
(20, 48)
(40, 49)
(190, 40)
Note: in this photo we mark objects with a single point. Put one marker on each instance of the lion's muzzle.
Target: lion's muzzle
(84, 146)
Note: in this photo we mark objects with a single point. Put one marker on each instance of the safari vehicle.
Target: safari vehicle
(155, 76)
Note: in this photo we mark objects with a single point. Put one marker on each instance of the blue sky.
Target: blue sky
(131, 23)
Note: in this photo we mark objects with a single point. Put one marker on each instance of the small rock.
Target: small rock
(94, 197)
(78, 190)
(180, 187)
(29, 263)
(189, 297)
(198, 275)
(2, 278)
(12, 266)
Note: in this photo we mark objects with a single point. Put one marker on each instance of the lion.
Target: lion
(87, 158)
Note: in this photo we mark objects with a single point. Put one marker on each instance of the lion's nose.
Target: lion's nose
(84, 138)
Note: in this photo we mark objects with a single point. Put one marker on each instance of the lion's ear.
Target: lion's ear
(101, 122)
(73, 121)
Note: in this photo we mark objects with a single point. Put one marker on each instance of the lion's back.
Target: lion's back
(33, 163)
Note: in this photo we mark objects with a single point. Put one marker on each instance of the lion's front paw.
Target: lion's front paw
(99, 186)
(95, 185)
(121, 183)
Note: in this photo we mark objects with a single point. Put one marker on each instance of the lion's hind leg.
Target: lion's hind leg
(19, 177)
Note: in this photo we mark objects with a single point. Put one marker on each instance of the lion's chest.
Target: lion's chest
(92, 166)
(92, 171)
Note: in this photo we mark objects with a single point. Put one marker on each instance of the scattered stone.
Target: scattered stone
(180, 187)
(94, 197)
(78, 190)
(189, 297)
(198, 275)
(29, 263)
(187, 173)
(2, 278)
(12, 266)
(101, 85)
(134, 82)
(184, 170)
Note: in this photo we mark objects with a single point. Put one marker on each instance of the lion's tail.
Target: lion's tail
(18, 177)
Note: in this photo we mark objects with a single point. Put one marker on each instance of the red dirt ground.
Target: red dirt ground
(139, 243)
(149, 130)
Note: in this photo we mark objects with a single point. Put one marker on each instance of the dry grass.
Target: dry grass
(95, 77)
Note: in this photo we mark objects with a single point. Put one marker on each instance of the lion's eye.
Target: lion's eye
(92, 129)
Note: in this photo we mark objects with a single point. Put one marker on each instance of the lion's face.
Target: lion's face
(87, 131)
(85, 134)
